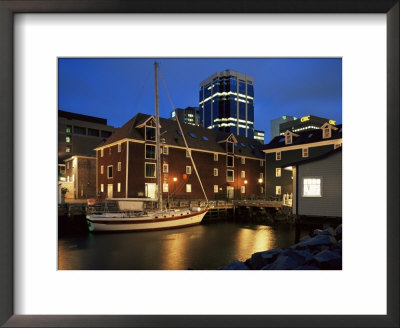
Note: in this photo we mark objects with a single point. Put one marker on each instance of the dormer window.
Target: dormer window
(327, 130)
(288, 139)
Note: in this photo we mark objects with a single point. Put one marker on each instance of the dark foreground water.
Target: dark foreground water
(207, 246)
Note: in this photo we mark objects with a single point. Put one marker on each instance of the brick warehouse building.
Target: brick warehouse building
(228, 165)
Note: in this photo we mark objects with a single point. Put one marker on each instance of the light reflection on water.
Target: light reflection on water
(207, 246)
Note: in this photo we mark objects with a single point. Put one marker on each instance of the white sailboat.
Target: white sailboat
(155, 220)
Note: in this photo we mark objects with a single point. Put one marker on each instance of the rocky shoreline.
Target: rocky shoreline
(321, 250)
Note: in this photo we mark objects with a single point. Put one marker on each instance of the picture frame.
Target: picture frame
(7, 10)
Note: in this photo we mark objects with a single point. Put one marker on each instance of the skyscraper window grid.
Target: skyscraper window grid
(226, 102)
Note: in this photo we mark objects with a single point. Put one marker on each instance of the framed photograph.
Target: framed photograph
(42, 40)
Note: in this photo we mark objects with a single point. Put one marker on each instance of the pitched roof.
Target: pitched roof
(305, 137)
(196, 137)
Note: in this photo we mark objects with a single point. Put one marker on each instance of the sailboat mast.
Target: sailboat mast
(158, 157)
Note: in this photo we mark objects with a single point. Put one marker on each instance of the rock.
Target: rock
(329, 260)
(236, 265)
(315, 241)
(338, 232)
(287, 260)
(327, 231)
(306, 254)
(261, 259)
(307, 267)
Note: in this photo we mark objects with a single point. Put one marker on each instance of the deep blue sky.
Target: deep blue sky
(117, 89)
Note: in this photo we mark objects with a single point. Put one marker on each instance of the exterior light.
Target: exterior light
(245, 182)
(260, 180)
(174, 179)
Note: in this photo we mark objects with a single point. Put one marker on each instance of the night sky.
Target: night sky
(117, 89)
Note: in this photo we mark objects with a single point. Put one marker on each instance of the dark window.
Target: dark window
(229, 161)
(229, 147)
(229, 176)
(110, 172)
(192, 135)
(205, 138)
(150, 151)
(93, 132)
(150, 170)
(242, 144)
(79, 130)
(68, 129)
(179, 132)
(105, 134)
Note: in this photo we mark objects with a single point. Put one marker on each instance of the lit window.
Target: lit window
(215, 172)
(109, 171)
(229, 161)
(243, 174)
(149, 170)
(150, 152)
(242, 189)
(119, 186)
(243, 160)
(215, 157)
(326, 132)
(278, 172)
(102, 169)
(278, 156)
(261, 162)
(229, 175)
(102, 152)
(261, 175)
(188, 170)
(119, 166)
(102, 187)
(165, 187)
(68, 139)
(68, 149)
(278, 190)
(187, 152)
(312, 187)
(188, 188)
(119, 147)
(305, 152)
(68, 129)
(215, 188)
(165, 150)
(165, 168)
(336, 146)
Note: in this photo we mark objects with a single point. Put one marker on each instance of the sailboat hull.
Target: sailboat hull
(144, 223)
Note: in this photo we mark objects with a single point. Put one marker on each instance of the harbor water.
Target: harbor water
(208, 246)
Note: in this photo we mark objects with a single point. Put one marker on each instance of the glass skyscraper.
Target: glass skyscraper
(226, 103)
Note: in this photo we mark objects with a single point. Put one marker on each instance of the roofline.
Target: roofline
(311, 144)
(79, 156)
(312, 159)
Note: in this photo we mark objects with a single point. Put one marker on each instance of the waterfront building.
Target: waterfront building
(317, 185)
(80, 177)
(292, 147)
(79, 134)
(305, 123)
(230, 166)
(189, 115)
(259, 135)
(275, 123)
(226, 102)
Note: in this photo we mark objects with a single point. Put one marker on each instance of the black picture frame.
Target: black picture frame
(10, 7)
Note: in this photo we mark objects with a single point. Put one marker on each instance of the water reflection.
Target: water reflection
(207, 246)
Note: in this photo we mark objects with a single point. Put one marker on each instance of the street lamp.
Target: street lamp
(174, 179)
(245, 187)
(260, 181)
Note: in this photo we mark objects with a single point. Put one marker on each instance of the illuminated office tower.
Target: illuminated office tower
(227, 103)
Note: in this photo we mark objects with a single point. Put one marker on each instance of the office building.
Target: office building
(189, 115)
(226, 102)
(305, 123)
(275, 124)
(259, 135)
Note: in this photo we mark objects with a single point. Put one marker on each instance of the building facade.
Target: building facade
(291, 147)
(305, 123)
(275, 124)
(259, 135)
(189, 115)
(80, 177)
(317, 185)
(79, 134)
(229, 166)
(226, 102)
